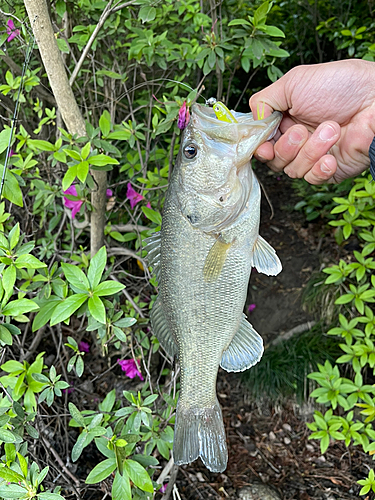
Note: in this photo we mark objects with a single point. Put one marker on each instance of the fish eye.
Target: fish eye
(190, 151)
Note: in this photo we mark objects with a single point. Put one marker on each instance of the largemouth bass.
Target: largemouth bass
(202, 257)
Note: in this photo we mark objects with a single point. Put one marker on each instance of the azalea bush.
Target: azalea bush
(346, 387)
(61, 305)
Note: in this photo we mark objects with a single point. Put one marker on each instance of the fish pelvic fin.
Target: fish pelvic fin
(152, 248)
(199, 432)
(244, 351)
(264, 258)
(215, 260)
(161, 329)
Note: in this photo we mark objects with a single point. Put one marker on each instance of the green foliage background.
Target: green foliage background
(129, 92)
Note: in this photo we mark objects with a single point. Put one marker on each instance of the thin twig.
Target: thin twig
(106, 13)
(171, 483)
(49, 447)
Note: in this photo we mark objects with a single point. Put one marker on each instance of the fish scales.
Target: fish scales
(203, 257)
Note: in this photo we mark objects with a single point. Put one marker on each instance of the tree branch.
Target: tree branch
(41, 24)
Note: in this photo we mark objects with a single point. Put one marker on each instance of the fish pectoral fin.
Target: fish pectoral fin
(161, 329)
(152, 248)
(244, 351)
(215, 260)
(264, 258)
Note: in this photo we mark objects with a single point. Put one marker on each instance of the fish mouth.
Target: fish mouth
(248, 134)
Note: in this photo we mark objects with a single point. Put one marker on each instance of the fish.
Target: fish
(202, 258)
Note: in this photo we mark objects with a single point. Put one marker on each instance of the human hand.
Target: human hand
(328, 124)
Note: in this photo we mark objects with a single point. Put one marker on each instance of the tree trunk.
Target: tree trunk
(41, 24)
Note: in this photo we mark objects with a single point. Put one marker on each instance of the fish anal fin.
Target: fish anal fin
(244, 351)
(215, 260)
(161, 329)
(200, 433)
(264, 258)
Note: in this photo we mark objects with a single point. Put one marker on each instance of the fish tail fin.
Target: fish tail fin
(200, 433)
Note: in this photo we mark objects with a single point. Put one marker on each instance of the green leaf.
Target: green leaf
(82, 170)
(11, 188)
(12, 491)
(82, 441)
(152, 215)
(9, 437)
(85, 151)
(96, 268)
(29, 262)
(101, 471)
(97, 309)
(5, 335)
(105, 123)
(68, 307)
(41, 145)
(108, 288)
(69, 177)
(10, 475)
(138, 475)
(20, 306)
(8, 281)
(4, 139)
(147, 14)
(102, 160)
(46, 495)
(76, 414)
(45, 312)
(121, 489)
(76, 277)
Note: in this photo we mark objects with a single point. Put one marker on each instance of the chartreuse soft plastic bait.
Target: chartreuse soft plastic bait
(260, 114)
(223, 114)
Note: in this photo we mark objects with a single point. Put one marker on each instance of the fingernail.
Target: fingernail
(260, 158)
(325, 169)
(327, 133)
(294, 137)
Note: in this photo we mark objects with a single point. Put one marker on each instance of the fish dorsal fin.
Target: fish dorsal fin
(161, 329)
(264, 258)
(244, 351)
(215, 260)
(152, 248)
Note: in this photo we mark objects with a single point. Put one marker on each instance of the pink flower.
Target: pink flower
(163, 488)
(74, 205)
(130, 367)
(109, 193)
(148, 205)
(133, 196)
(183, 116)
(251, 308)
(11, 30)
(84, 346)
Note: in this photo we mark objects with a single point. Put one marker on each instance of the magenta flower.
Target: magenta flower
(130, 367)
(183, 116)
(74, 205)
(148, 205)
(109, 193)
(133, 196)
(163, 488)
(11, 30)
(251, 308)
(84, 346)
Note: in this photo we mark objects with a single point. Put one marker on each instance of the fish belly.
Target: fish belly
(203, 318)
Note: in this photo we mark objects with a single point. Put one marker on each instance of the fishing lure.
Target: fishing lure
(222, 113)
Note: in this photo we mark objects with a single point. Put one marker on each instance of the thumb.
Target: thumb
(270, 99)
